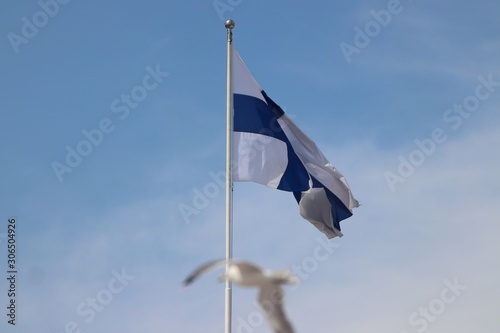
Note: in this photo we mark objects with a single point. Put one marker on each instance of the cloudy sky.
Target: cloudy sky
(112, 127)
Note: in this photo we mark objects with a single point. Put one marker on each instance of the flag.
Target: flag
(269, 149)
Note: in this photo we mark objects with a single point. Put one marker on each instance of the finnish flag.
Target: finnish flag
(269, 149)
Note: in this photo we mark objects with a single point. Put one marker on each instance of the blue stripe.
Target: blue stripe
(277, 110)
(252, 115)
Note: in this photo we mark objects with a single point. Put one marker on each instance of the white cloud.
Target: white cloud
(398, 248)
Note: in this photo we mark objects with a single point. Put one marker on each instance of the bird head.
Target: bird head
(284, 277)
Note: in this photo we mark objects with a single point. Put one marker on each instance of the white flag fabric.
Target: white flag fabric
(269, 149)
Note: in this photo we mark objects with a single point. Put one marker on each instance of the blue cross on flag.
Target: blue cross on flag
(269, 149)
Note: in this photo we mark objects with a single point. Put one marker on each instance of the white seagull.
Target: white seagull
(247, 274)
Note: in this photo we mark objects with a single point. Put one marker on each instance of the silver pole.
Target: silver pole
(229, 24)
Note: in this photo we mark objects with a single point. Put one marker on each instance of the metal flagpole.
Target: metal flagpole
(229, 24)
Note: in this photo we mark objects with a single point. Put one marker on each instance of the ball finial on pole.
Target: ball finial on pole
(229, 24)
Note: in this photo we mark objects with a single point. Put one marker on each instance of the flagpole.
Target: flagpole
(229, 24)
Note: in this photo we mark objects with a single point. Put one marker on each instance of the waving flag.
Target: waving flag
(269, 149)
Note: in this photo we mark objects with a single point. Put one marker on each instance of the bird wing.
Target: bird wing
(244, 266)
(271, 300)
(201, 270)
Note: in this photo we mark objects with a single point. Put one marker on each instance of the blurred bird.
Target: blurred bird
(247, 274)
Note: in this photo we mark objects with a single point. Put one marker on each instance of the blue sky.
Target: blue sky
(411, 118)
